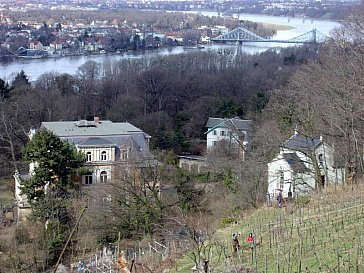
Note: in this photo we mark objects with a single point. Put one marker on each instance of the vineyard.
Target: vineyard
(322, 234)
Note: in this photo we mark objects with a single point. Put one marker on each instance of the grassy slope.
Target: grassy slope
(324, 235)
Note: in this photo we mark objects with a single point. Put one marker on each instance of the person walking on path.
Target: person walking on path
(205, 265)
(250, 240)
(235, 243)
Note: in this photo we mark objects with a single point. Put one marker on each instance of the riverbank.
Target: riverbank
(277, 27)
(36, 67)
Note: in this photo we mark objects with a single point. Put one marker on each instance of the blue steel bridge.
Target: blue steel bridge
(242, 35)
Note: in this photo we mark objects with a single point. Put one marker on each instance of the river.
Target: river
(36, 67)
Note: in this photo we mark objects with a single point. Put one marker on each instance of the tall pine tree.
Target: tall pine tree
(55, 162)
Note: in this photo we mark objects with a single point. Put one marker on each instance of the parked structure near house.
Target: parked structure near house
(303, 165)
(105, 144)
(193, 163)
(234, 131)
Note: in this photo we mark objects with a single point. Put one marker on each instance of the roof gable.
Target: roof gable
(295, 162)
(301, 143)
(96, 141)
(235, 124)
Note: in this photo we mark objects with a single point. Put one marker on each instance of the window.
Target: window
(88, 157)
(88, 179)
(124, 154)
(103, 156)
(222, 133)
(321, 158)
(103, 177)
(281, 180)
(214, 133)
(214, 143)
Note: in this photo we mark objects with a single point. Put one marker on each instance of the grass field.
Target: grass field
(324, 235)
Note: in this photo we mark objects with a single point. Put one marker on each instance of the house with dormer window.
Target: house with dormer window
(303, 165)
(105, 144)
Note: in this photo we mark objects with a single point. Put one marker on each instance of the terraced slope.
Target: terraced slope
(325, 235)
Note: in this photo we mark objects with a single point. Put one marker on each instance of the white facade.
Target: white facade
(205, 39)
(234, 131)
(219, 134)
(294, 171)
(100, 160)
(98, 154)
(97, 175)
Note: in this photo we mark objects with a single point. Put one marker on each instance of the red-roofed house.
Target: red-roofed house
(35, 44)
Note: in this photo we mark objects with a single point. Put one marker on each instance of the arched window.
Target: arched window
(88, 156)
(103, 177)
(103, 156)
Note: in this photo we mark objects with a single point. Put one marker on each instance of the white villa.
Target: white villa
(234, 131)
(105, 144)
(301, 161)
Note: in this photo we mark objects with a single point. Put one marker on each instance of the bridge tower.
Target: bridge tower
(238, 51)
(314, 36)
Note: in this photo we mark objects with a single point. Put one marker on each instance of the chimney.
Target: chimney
(96, 120)
(321, 138)
(296, 130)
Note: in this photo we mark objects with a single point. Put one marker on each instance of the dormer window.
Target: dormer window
(88, 157)
(103, 156)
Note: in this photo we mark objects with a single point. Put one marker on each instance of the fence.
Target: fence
(322, 236)
(138, 259)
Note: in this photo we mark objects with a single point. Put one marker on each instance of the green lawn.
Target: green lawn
(325, 236)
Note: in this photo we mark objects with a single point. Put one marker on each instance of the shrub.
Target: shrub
(227, 221)
(302, 201)
(203, 177)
